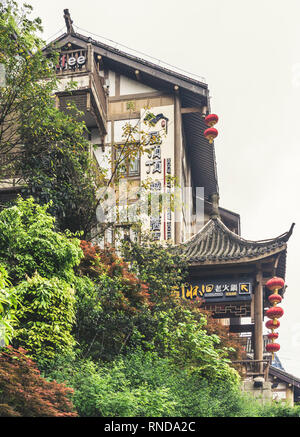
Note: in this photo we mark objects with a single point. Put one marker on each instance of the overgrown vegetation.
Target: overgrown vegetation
(109, 327)
(24, 392)
(111, 331)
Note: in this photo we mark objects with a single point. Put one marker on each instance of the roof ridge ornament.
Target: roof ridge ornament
(69, 22)
(215, 206)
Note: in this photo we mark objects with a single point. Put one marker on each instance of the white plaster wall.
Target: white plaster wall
(112, 83)
(129, 86)
(81, 81)
(103, 158)
(118, 128)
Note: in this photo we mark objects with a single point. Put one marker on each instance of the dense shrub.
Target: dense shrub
(279, 409)
(112, 303)
(45, 317)
(24, 392)
(157, 266)
(29, 243)
(141, 384)
(8, 303)
(163, 270)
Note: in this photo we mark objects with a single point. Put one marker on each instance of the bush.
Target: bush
(24, 392)
(112, 303)
(107, 391)
(8, 302)
(279, 409)
(45, 317)
(142, 384)
(29, 243)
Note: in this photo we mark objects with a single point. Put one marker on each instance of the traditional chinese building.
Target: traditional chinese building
(113, 88)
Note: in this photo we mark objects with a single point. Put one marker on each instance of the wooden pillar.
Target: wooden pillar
(258, 317)
(90, 57)
(177, 162)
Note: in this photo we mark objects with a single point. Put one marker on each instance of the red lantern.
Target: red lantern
(275, 298)
(273, 335)
(274, 312)
(275, 283)
(272, 347)
(211, 119)
(210, 134)
(272, 324)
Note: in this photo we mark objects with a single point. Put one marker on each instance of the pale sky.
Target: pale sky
(249, 53)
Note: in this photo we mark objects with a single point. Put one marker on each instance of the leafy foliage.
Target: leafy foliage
(45, 317)
(110, 308)
(163, 271)
(8, 302)
(142, 384)
(157, 266)
(48, 147)
(29, 243)
(24, 392)
(118, 312)
(279, 409)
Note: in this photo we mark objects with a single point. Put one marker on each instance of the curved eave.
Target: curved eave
(242, 260)
(217, 246)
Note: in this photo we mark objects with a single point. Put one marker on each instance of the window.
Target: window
(127, 167)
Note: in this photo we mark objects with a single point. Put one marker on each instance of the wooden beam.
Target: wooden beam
(241, 328)
(200, 89)
(177, 161)
(190, 110)
(258, 317)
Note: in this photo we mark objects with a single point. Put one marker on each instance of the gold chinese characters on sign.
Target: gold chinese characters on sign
(220, 290)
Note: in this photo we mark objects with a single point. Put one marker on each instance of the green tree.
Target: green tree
(164, 271)
(143, 384)
(45, 317)
(111, 304)
(46, 147)
(29, 242)
(8, 303)
(156, 266)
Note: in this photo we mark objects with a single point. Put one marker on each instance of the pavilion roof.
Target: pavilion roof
(216, 244)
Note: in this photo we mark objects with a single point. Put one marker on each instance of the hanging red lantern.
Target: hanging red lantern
(272, 324)
(274, 312)
(272, 347)
(210, 134)
(211, 119)
(275, 298)
(275, 284)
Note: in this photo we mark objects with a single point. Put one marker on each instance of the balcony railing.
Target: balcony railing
(82, 62)
(253, 368)
(72, 61)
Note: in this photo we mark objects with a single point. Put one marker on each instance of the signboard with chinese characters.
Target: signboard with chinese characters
(221, 290)
(157, 170)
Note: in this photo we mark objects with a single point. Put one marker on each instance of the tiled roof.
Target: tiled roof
(216, 243)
